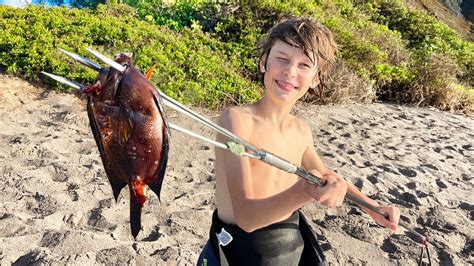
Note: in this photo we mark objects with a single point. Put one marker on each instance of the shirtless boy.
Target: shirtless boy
(257, 220)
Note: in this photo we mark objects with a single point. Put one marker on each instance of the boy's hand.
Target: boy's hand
(332, 194)
(393, 217)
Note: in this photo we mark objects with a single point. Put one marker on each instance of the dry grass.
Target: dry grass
(343, 87)
(437, 86)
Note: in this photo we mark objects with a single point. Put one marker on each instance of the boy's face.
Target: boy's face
(289, 73)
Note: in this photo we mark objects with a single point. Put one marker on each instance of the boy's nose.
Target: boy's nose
(291, 70)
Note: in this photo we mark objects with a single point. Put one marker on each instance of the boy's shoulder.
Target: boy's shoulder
(236, 112)
(247, 116)
(301, 126)
(237, 119)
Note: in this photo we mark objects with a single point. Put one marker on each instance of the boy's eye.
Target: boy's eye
(282, 59)
(305, 66)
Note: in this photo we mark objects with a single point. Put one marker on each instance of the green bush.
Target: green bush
(188, 66)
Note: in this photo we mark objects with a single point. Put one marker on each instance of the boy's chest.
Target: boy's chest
(289, 144)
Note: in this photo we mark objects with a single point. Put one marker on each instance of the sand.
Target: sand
(56, 205)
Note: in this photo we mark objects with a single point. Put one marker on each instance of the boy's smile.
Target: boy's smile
(289, 72)
(286, 86)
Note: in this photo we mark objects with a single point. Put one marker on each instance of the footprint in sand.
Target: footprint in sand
(469, 208)
(360, 230)
(435, 223)
(327, 154)
(12, 226)
(52, 238)
(41, 205)
(373, 179)
(359, 183)
(432, 167)
(466, 177)
(154, 235)
(421, 194)
(99, 221)
(121, 255)
(167, 254)
(467, 146)
(441, 184)
(410, 198)
(356, 122)
(347, 135)
(325, 132)
(400, 248)
(411, 185)
(323, 242)
(406, 199)
(39, 256)
(389, 247)
(387, 168)
(407, 172)
(61, 172)
(71, 191)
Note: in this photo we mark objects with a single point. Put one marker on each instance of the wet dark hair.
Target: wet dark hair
(313, 38)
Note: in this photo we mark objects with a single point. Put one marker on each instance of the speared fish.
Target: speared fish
(127, 119)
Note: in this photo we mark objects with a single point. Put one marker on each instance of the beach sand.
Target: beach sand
(56, 205)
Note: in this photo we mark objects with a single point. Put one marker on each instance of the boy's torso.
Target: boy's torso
(288, 141)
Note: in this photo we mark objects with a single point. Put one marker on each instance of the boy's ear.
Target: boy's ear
(262, 64)
(315, 82)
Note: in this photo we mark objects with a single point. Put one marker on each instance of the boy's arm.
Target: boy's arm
(311, 160)
(251, 213)
(392, 211)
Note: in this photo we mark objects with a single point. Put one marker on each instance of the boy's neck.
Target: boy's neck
(272, 112)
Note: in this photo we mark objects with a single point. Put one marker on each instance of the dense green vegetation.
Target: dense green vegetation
(205, 51)
(191, 67)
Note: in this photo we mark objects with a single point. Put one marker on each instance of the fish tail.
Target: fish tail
(135, 214)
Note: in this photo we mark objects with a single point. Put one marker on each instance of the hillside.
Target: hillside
(451, 15)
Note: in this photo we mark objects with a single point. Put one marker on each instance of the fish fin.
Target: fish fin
(124, 127)
(117, 185)
(156, 183)
(156, 186)
(108, 160)
(150, 72)
(135, 214)
(159, 103)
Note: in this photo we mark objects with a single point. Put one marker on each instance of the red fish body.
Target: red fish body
(127, 118)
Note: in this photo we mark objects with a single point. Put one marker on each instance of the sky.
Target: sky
(23, 3)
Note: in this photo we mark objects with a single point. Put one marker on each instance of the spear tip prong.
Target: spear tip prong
(107, 60)
(86, 62)
(64, 81)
